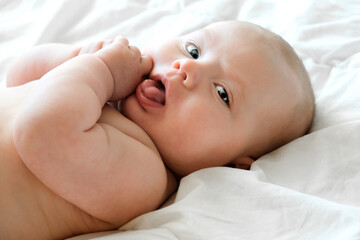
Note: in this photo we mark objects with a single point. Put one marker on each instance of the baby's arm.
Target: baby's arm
(100, 169)
(36, 62)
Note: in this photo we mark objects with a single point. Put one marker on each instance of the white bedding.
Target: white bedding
(308, 189)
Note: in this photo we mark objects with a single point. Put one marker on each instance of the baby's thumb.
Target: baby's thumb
(146, 64)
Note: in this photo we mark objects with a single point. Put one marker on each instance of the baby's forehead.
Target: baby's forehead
(241, 31)
(237, 44)
(234, 38)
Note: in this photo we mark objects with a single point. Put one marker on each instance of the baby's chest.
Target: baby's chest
(19, 188)
(125, 126)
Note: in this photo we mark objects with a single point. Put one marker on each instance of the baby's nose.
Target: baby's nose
(189, 69)
(179, 71)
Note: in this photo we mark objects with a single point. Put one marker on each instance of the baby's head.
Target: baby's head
(223, 95)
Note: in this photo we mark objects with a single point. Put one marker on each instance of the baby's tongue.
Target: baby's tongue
(154, 90)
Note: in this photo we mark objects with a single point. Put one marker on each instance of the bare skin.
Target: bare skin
(43, 199)
(82, 166)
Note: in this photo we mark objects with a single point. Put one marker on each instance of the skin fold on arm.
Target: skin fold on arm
(64, 135)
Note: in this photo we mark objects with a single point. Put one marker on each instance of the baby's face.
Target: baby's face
(208, 96)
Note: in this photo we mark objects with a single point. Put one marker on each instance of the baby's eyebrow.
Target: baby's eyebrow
(204, 37)
(202, 33)
(205, 33)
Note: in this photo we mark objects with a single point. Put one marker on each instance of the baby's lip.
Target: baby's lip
(151, 92)
(169, 79)
(161, 78)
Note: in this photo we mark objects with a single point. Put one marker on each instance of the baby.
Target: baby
(72, 163)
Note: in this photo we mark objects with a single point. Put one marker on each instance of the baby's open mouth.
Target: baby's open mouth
(151, 92)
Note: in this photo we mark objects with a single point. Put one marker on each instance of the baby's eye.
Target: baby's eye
(223, 94)
(192, 50)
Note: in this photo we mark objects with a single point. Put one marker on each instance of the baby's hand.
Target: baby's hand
(125, 63)
(93, 47)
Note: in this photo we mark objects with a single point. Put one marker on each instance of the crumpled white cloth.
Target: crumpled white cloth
(309, 188)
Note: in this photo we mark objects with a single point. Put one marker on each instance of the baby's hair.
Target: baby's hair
(302, 115)
(307, 106)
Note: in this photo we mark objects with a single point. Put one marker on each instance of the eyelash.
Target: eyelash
(194, 52)
(222, 91)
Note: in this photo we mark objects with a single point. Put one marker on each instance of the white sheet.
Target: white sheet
(308, 189)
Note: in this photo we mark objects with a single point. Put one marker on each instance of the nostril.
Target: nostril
(183, 75)
(176, 65)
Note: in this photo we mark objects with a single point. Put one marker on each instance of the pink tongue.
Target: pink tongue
(154, 90)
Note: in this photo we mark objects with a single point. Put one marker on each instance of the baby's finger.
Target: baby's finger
(107, 43)
(122, 40)
(94, 47)
(135, 50)
(146, 64)
(88, 49)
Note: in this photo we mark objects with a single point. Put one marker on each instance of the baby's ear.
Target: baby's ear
(243, 162)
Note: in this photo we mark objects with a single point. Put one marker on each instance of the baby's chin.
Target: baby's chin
(180, 164)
